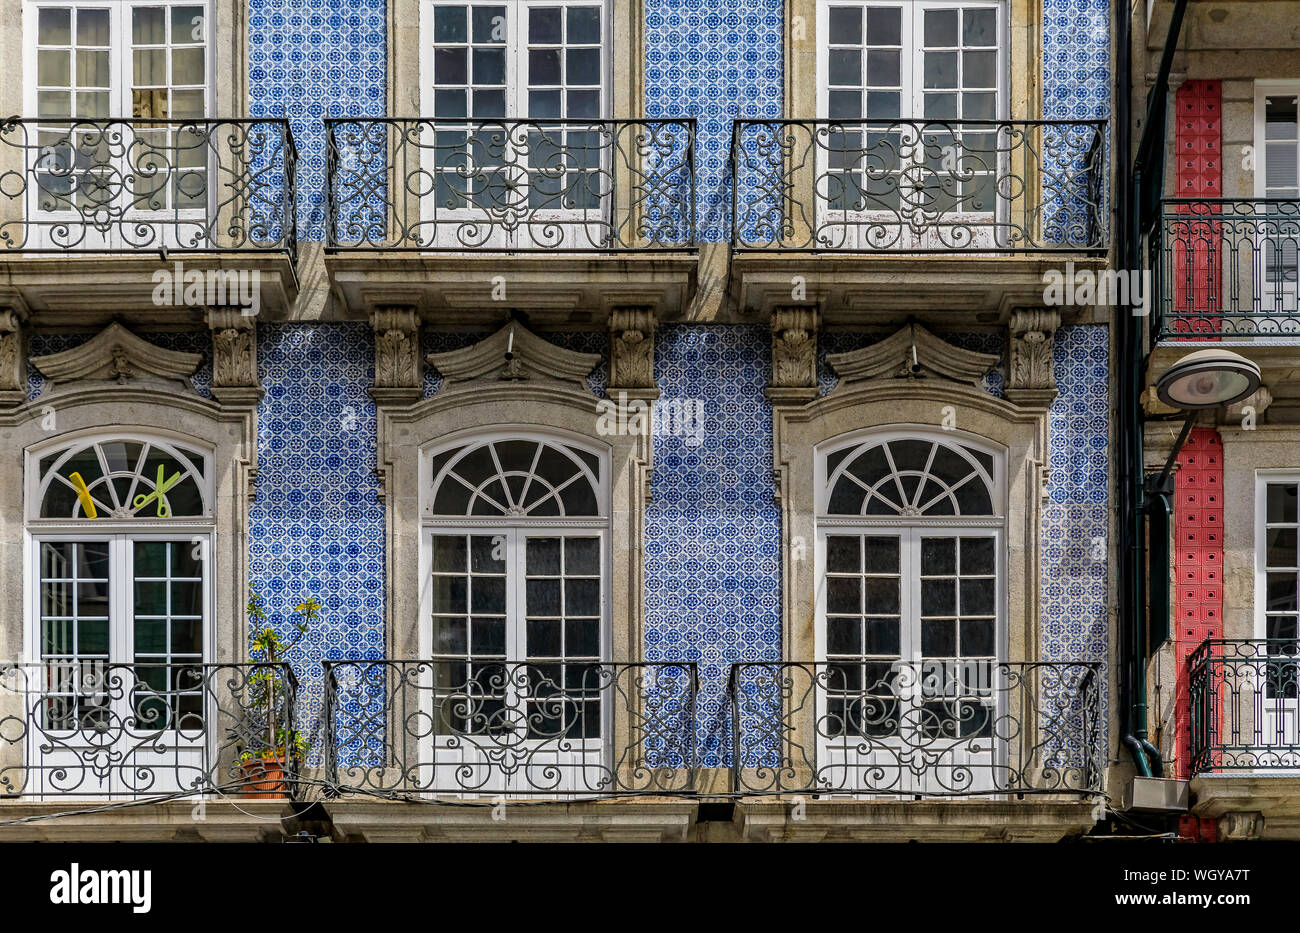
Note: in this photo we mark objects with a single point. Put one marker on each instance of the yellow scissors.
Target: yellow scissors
(159, 490)
(87, 503)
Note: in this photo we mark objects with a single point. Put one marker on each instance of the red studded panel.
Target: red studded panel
(1198, 564)
(1198, 143)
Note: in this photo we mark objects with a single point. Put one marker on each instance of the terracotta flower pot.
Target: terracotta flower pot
(265, 778)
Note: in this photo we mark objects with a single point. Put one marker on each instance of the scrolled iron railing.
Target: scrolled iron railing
(127, 186)
(543, 185)
(1226, 268)
(1244, 697)
(89, 728)
(920, 186)
(936, 728)
(491, 727)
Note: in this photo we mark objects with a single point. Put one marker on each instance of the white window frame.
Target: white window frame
(1287, 294)
(121, 108)
(834, 753)
(1271, 708)
(516, 529)
(447, 224)
(162, 752)
(850, 228)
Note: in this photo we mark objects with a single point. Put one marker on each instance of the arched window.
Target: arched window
(121, 479)
(120, 602)
(517, 541)
(910, 477)
(910, 616)
(516, 477)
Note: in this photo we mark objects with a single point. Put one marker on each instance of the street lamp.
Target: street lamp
(1205, 379)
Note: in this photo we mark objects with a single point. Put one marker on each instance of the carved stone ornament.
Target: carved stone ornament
(912, 353)
(13, 358)
(234, 348)
(399, 372)
(514, 353)
(1030, 378)
(794, 348)
(117, 355)
(632, 348)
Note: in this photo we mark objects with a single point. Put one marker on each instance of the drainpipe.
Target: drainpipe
(1144, 183)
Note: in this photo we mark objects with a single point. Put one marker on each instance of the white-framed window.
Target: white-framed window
(943, 63)
(119, 618)
(487, 66)
(1277, 556)
(1277, 179)
(910, 603)
(516, 544)
(90, 61)
(118, 59)
(921, 60)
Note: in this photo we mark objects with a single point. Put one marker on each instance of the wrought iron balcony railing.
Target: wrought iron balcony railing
(937, 728)
(1245, 705)
(1226, 268)
(126, 186)
(561, 185)
(492, 727)
(85, 727)
(920, 186)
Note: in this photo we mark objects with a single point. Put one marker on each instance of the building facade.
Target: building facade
(631, 419)
(1221, 253)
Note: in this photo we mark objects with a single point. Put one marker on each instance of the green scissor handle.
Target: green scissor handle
(159, 490)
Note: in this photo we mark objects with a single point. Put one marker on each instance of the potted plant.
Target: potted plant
(275, 750)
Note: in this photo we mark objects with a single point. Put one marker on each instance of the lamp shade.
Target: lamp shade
(1208, 379)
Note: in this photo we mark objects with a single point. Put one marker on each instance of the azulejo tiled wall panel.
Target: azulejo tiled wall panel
(312, 59)
(1076, 59)
(713, 528)
(1075, 526)
(714, 60)
(316, 527)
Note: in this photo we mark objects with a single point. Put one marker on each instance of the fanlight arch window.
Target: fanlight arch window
(911, 477)
(148, 479)
(517, 476)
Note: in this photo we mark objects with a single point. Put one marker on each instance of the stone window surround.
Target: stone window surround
(227, 436)
(802, 432)
(1024, 88)
(462, 412)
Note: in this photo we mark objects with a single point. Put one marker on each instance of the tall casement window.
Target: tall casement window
(900, 83)
(910, 608)
(1277, 180)
(516, 529)
(516, 92)
(119, 583)
(1277, 614)
(100, 59)
(97, 71)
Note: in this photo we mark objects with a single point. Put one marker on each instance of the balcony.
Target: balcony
(91, 209)
(148, 730)
(1225, 270)
(576, 216)
(549, 729)
(1243, 733)
(938, 729)
(1245, 701)
(913, 215)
